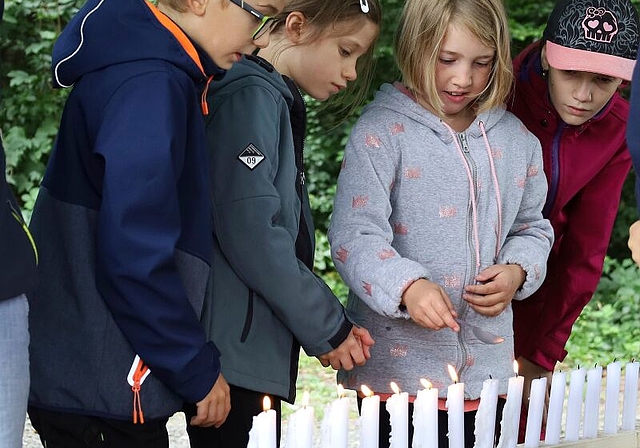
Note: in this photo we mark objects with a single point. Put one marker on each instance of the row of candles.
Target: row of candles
(581, 407)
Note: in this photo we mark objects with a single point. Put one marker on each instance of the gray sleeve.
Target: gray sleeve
(360, 232)
(530, 238)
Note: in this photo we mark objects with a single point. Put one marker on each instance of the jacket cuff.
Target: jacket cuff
(201, 374)
(342, 333)
(548, 357)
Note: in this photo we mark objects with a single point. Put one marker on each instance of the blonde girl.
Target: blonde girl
(437, 215)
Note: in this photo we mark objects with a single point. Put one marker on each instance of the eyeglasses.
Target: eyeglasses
(267, 23)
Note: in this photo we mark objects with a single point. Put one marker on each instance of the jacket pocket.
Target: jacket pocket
(248, 319)
(23, 225)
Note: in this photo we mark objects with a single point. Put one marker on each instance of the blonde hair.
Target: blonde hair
(421, 31)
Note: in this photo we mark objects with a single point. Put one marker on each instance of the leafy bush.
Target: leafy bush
(609, 327)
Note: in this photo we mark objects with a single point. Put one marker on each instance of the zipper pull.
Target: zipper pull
(463, 142)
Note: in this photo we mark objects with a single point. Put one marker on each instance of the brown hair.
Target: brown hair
(324, 16)
(422, 29)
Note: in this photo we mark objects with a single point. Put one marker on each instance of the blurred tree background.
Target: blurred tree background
(31, 110)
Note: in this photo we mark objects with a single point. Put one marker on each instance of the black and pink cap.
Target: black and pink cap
(598, 36)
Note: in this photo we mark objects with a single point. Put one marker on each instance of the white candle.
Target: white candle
(425, 417)
(455, 410)
(485, 427)
(335, 423)
(511, 414)
(300, 428)
(592, 403)
(369, 419)
(556, 403)
(534, 414)
(612, 398)
(263, 429)
(630, 401)
(574, 405)
(398, 409)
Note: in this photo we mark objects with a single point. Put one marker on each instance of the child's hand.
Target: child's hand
(634, 241)
(429, 306)
(353, 351)
(499, 284)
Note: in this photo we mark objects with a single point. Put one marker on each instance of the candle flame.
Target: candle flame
(266, 403)
(452, 373)
(395, 388)
(426, 384)
(305, 399)
(340, 391)
(515, 367)
(366, 391)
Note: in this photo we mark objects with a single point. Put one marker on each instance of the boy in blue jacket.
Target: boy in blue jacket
(123, 219)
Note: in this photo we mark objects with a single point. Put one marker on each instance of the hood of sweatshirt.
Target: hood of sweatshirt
(397, 98)
(110, 32)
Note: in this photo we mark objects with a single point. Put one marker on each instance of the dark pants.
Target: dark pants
(66, 430)
(234, 432)
(443, 425)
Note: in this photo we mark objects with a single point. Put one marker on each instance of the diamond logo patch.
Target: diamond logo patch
(251, 156)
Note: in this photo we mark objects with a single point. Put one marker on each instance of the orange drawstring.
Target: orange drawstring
(139, 372)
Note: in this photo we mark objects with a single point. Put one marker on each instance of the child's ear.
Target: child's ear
(294, 26)
(199, 7)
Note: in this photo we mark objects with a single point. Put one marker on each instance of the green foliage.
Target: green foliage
(30, 108)
(609, 327)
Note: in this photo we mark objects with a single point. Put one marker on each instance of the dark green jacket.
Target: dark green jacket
(264, 301)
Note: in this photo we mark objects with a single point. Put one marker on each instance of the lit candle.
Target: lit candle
(612, 398)
(574, 404)
(425, 417)
(398, 409)
(335, 423)
(369, 419)
(511, 413)
(300, 429)
(556, 402)
(263, 430)
(534, 414)
(485, 427)
(592, 403)
(630, 401)
(455, 410)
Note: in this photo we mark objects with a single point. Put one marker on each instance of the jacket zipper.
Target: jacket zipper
(462, 138)
(248, 318)
(18, 217)
(555, 172)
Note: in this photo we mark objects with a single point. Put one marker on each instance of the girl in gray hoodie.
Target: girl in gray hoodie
(438, 210)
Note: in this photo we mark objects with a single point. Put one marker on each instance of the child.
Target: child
(438, 209)
(18, 259)
(265, 300)
(567, 95)
(123, 219)
(633, 139)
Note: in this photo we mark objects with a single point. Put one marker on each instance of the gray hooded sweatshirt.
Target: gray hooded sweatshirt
(415, 200)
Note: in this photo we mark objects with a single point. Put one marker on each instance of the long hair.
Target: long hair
(422, 29)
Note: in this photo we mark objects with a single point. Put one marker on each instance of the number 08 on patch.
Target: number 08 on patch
(251, 156)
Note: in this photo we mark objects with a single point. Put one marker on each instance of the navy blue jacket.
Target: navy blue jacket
(123, 219)
(633, 128)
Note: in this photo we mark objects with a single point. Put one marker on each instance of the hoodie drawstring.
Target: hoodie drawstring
(472, 191)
